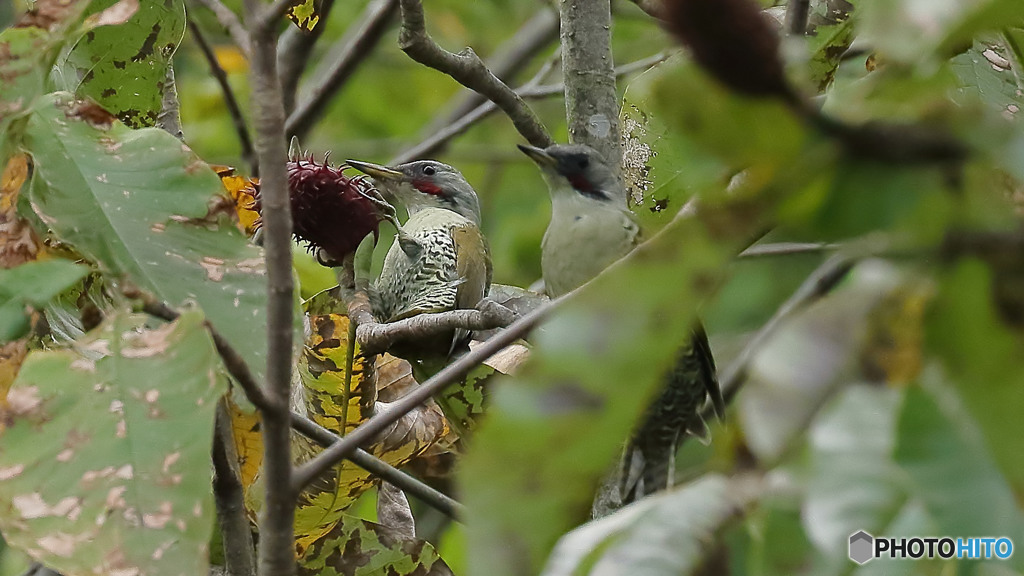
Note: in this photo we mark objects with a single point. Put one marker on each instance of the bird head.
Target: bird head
(575, 169)
(424, 184)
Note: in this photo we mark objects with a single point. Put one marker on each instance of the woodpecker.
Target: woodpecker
(441, 260)
(590, 228)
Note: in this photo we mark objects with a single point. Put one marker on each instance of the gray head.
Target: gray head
(576, 169)
(424, 184)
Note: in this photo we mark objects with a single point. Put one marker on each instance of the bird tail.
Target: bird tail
(649, 461)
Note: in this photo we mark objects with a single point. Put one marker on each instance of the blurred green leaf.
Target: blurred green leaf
(123, 66)
(34, 283)
(950, 467)
(145, 209)
(983, 361)
(810, 356)
(853, 482)
(912, 32)
(106, 462)
(663, 535)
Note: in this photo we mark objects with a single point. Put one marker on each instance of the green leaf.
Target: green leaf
(123, 66)
(106, 462)
(826, 49)
(663, 535)
(988, 72)
(139, 203)
(357, 547)
(33, 283)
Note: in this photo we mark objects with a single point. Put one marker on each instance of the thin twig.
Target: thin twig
(229, 20)
(381, 469)
(788, 249)
(277, 535)
(234, 110)
(239, 552)
(508, 60)
(356, 49)
(294, 49)
(530, 90)
(467, 69)
(366, 432)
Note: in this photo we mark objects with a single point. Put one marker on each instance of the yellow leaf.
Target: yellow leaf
(895, 335)
(306, 14)
(18, 242)
(243, 192)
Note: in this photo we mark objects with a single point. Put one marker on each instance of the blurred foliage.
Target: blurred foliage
(891, 404)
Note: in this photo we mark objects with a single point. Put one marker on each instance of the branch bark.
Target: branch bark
(591, 104)
(169, 118)
(276, 546)
(355, 51)
(239, 551)
(467, 69)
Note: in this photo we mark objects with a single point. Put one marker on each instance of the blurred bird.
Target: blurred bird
(591, 228)
(440, 261)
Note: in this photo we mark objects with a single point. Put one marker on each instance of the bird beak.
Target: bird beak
(538, 155)
(376, 170)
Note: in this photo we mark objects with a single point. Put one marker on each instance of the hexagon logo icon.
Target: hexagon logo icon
(862, 547)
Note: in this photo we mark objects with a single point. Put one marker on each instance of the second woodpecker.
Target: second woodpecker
(591, 228)
(440, 261)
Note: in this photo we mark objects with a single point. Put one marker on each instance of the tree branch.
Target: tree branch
(383, 470)
(368, 431)
(239, 551)
(376, 337)
(293, 54)
(234, 110)
(591, 104)
(787, 249)
(229, 20)
(467, 69)
(510, 58)
(277, 539)
(169, 118)
(356, 49)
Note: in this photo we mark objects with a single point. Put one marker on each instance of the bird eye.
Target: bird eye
(429, 170)
(584, 162)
